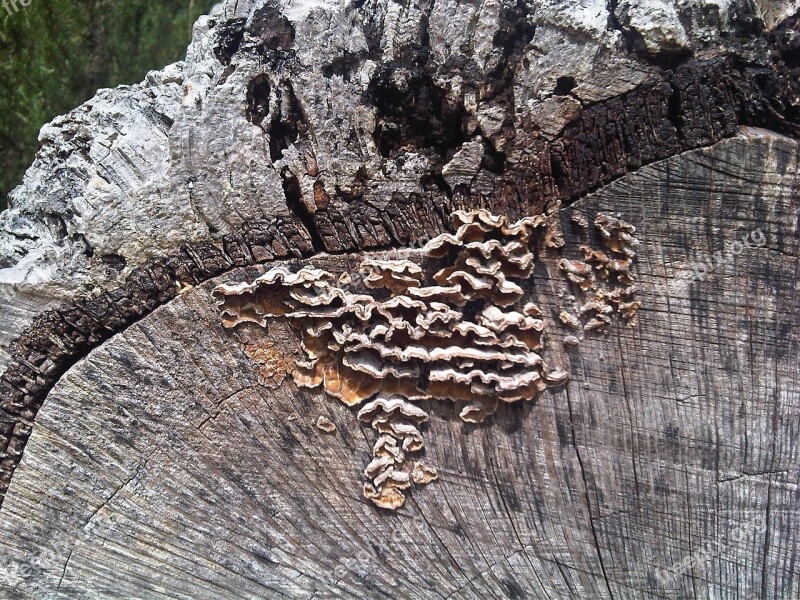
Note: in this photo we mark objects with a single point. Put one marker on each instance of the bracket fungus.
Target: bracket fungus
(603, 278)
(450, 322)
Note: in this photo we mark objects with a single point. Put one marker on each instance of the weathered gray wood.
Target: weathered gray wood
(161, 466)
(174, 458)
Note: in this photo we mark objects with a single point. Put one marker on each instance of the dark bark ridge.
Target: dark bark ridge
(692, 103)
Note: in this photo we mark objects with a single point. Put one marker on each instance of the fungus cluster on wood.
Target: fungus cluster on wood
(453, 325)
(397, 421)
(603, 278)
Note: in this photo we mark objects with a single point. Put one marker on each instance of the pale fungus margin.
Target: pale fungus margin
(456, 325)
(325, 424)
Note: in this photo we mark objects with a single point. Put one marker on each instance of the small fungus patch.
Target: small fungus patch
(603, 280)
(325, 424)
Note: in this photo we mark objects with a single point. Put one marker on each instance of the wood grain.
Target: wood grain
(302, 127)
(161, 466)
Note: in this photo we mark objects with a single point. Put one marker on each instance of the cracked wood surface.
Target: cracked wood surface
(293, 129)
(169, 461)
(161, 466)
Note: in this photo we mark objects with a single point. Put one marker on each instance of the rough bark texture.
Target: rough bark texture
(160, 465)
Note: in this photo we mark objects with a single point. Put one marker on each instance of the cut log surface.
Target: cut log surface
(152, 452)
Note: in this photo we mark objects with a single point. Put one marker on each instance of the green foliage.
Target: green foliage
(54, 55)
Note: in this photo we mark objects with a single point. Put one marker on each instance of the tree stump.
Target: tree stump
(530, 265)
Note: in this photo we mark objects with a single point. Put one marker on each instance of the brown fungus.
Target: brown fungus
(570, 320)
(598, 323)
(617, 234)
(580, 220)
(578, 272)
(477, 410)
(454, 310)
(395, 275)
(385, 497)
(604, 278)
(272, 365)
(423, 473)
(325, 424)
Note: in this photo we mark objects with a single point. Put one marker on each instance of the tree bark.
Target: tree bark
(152, 452)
